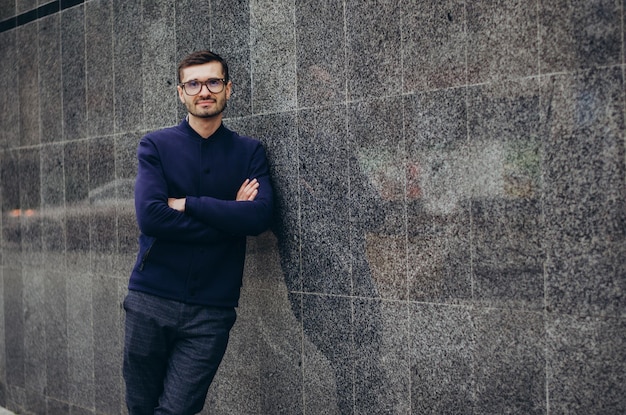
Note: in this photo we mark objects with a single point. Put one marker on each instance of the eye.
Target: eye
(192, 84)
(214, 83)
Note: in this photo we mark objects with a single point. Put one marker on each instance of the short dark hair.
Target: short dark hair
(200, 57)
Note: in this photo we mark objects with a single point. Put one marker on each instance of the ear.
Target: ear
(229, 89)
(181, 94)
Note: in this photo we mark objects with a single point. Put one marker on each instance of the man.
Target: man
(200, 190)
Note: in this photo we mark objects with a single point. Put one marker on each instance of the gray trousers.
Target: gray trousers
(171, 353)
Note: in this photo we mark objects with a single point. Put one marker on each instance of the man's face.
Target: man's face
(205, 104)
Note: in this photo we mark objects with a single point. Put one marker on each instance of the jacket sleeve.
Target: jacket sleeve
(154, 217)
(239, 218)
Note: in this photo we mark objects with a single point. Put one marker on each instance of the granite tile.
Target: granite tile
(14, 337)
(54, 256)
(50, 86)
(279, 329)
(437, 147)
(434, 45)
(73, 70)
(9, 90)
(586, 365)
(272, 56)
(53, 206)
(507, 217)
(3, 329)
(103, 186)
(286, 226)
(278, 133)
(7, 9)
(240, 366)
(193, 27)
(585, 195)
(373, 33)
(127, 229)
(320, 48)
(502, 39)
(577, 34)
(80, 329)
(441, 359)
(438, 194)
(28, 84)
(128, 235)
(127, 61)
(126, 157)
(230, 38)
(55, 406)
(35, 402)
(34, 331)
(377, 159)
(510, 362)
(505, 129)
(99, 67)
(381, 353)
(11, 221)
(79, 410)
(160, 98)
(22, 6)
(17, 398)
(76, 156)
(107, 346)
(30, 202)
(101, 205)
(29, 174)
(324, 193)
(507, 252)
(328, 367)
(56, 336)
(76, 170)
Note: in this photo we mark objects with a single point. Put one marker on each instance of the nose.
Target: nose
(204, 85)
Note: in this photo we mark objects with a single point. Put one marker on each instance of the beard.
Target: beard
(196, 111)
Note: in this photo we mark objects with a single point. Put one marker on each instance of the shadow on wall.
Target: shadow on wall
(349, 251)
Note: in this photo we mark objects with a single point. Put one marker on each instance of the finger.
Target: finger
(245, 183)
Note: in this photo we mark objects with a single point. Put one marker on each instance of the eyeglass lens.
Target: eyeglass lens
(194, 86)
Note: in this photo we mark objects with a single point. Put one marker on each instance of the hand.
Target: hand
(177, 204)
(248, 190)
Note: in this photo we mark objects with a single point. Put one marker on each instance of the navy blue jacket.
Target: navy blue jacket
(197, 257)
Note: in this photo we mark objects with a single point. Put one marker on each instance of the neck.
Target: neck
(205, 127)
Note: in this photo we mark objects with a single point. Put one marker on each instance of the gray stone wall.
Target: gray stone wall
(450, 232)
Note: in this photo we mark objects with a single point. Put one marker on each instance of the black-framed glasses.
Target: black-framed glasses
(193, 87)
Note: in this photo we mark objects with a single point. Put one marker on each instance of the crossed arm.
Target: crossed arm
(247, 192)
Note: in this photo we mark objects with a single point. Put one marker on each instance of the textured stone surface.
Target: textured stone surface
(272, 55)
(438, 160)
(577, 34)
(127, 58)
(502, 40)
(434, 45)
(450, 181)
(585, 193)
(99, 67)
(73, 73)
(28, 86)
(50, 79)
